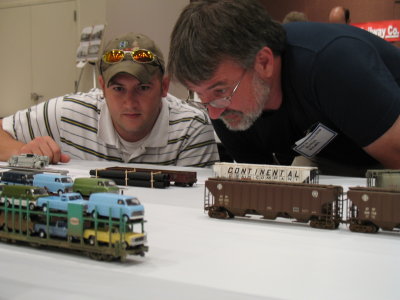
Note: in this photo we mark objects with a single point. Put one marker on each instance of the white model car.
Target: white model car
(28, 161)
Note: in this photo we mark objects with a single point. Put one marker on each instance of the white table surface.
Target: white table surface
(192, 256)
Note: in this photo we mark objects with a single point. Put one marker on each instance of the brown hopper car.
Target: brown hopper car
(322, 205)
(373, 208)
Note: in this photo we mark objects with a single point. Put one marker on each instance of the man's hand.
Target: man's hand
(46, 146)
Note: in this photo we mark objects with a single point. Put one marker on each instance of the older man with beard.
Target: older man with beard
(327, 92)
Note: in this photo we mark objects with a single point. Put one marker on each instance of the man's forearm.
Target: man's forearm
(9, 146)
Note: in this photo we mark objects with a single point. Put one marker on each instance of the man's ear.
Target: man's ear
(101, 82)
(264, 63)
(165, 85)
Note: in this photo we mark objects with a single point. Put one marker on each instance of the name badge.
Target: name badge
(315, 141)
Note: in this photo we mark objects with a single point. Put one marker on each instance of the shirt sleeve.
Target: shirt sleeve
(39, 120)
(200, 149)
(357, 92)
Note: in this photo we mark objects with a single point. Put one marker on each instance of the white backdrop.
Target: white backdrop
(194, 257)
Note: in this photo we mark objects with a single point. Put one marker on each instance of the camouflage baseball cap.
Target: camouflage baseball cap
(131, 42)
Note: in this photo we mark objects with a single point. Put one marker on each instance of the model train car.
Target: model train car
(155, 178)
(266, 172)
(373, 208)
(322, 205)
(100, 238)
(385, 178)
(365, 209)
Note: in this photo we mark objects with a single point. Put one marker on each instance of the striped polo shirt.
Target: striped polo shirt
(82, 126)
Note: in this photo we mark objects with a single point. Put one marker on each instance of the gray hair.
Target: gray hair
(209, 31)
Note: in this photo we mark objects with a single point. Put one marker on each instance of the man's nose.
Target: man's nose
(131, 98)
(215, 113)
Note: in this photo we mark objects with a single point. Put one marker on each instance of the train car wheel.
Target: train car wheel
(337, 225)
(218, 212)
(323, 223)
(125, 218)
(92, 240)
(42, 234)
(364, 227)
(107, 257)
(329, 225)
(354, 227)
(373, 228)
(95, 256)
(313, 223)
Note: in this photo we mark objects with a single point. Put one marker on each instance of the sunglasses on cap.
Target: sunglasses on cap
(142, 56)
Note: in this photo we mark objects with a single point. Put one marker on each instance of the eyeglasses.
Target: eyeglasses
(225, 101)
(142, 56)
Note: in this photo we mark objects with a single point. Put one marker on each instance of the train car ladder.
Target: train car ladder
(206, 199)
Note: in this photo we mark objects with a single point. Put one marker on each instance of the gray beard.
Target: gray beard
(261, 96)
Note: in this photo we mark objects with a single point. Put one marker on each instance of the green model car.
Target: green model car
(88, 185)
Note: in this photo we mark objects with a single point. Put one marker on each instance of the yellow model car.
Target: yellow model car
(128, 239)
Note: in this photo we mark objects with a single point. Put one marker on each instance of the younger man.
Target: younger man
(132, 119)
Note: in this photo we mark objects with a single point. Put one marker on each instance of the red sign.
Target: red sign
(388, 30)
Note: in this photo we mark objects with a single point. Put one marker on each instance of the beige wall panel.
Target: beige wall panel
(54, 45)
(15, 59)
(43, 39)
